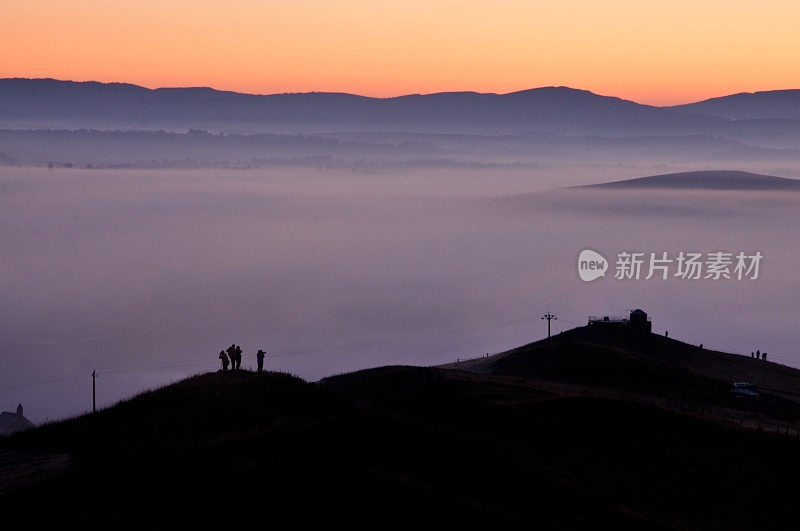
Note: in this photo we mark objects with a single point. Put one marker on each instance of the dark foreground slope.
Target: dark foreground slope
(522, 440)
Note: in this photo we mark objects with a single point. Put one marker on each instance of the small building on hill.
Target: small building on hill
(637, 321)
(13, 422)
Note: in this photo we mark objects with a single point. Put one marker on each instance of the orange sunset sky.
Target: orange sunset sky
(649, 51)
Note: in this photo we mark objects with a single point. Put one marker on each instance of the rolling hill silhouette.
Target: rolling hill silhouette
(762, 119)
(776, 104)
(706, 180)
(551, 107)
(596, 427)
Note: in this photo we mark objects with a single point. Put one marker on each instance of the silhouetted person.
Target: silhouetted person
(666, 333)
(238, 357)
(752, 354)
(231, 350)
(758, 354)
(701, 346)
(260, 360)
(764, 356)
(224, 358)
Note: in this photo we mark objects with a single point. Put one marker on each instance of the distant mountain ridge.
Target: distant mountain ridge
(55, 103)
(772, 104)
(43, 99)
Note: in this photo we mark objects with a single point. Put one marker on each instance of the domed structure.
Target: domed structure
(639, 321)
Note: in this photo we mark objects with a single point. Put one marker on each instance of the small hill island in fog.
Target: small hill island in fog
(706, 180)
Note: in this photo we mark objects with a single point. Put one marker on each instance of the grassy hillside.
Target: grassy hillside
(609, 361)
(560, 434)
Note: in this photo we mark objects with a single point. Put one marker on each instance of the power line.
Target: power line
(279, 353)
(287, 352)
(328, 348)
(407, 337)
(41, 381)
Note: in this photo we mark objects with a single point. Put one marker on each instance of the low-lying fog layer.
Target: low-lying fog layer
(146, 275)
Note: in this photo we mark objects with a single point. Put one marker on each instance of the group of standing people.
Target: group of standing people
(233, 356)
(758, 355)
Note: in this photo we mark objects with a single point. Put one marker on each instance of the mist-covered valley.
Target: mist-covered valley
(145, 275)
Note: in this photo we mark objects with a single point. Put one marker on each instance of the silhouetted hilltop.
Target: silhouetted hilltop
(594, 428)
(551, 107)
(649, 364)
(707, 180)
(776, 104)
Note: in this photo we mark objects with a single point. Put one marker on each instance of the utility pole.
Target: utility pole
(549, 316)
(94, 395)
